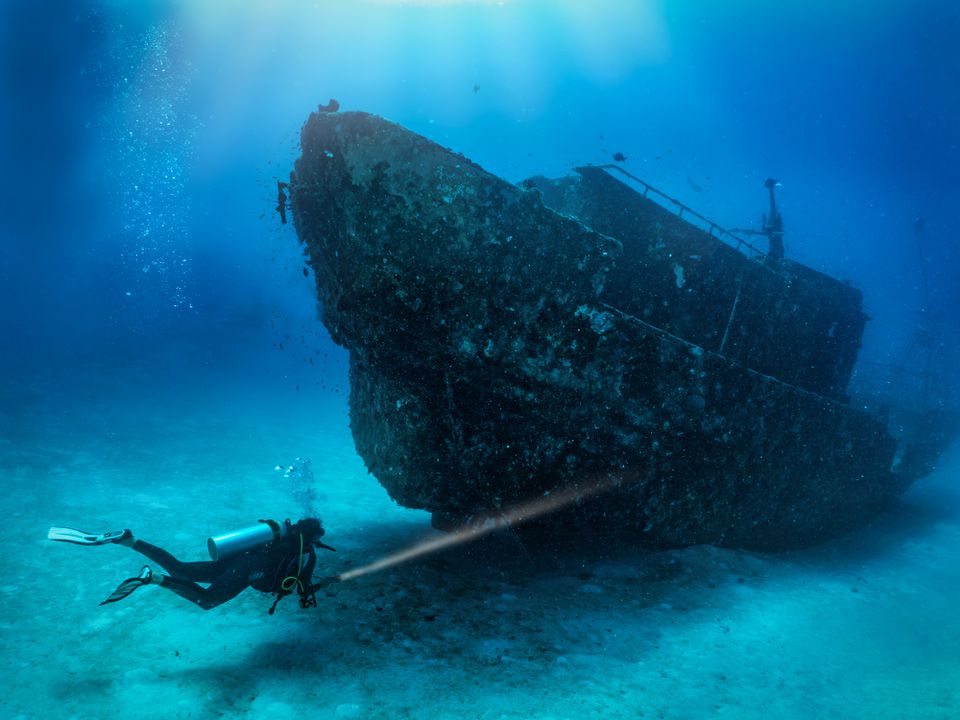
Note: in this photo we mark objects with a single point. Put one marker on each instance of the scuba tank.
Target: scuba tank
(248, 538)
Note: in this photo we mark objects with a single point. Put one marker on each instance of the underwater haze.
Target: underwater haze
(164, 368)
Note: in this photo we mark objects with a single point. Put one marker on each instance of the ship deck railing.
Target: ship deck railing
(685, 212)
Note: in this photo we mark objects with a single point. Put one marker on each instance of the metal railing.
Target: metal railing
(685, 212)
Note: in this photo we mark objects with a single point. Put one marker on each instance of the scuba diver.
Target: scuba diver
(282, 201)
(270, 557)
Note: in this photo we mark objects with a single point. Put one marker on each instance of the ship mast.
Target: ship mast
(773, 224)
(772, 227)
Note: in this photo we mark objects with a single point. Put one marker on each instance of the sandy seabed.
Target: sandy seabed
(866, 626)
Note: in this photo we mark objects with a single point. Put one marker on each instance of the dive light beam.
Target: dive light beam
(516, 515)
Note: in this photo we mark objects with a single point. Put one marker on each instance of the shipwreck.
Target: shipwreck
(508, 342)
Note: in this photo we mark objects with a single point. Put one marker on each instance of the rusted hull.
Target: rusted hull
(489, 364)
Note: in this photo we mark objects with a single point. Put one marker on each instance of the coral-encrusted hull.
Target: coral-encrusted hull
(488, 368)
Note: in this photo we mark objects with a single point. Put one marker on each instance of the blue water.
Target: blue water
(161, 354)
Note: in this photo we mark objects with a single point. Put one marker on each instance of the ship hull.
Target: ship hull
(489, 367)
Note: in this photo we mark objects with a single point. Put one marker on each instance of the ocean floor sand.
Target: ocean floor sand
(863, 627)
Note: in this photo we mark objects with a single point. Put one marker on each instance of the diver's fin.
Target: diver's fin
(80, 537)
(130, 584)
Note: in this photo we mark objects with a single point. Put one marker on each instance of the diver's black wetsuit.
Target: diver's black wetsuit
(278, 568)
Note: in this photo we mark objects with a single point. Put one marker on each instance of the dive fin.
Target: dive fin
(81, 537)
(130, 584)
